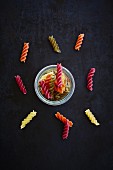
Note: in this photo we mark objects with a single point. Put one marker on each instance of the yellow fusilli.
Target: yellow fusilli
(28, 119)
(91, 117)
(54, 44)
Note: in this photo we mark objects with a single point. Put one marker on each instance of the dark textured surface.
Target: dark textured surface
(39, 145)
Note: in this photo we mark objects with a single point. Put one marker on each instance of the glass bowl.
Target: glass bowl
(56, 102)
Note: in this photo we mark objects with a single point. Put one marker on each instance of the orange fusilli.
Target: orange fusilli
(24, 52)
(79, 42)
(63, 119)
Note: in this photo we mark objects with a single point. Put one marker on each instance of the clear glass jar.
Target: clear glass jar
(56, 102)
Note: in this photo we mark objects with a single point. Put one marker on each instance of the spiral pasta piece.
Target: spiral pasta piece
(59, 75)
(65, 131)
(79, 42)
(64, 94)
(28, 119)
(54, 44)
(90, 79)
(45, 89)
(24, 52)
(60, 89)
(47, 81)
(91, 117)
(52, 85)
(63, 119)
(57, 96)
(20, 84)
(47, 75)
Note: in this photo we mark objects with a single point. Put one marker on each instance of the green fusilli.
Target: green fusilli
(54, 44)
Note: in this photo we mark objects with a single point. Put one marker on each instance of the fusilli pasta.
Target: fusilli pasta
(47, 81)
(90, 79)
(79, 42)
(45, 89)
(63, 119)
(57, 83)
(91, 117)
(54, 44)
(24, 52)
(28, 119)
(57, 96)
(66, 130)
(52, 85)
(20, 84)
(59, 75)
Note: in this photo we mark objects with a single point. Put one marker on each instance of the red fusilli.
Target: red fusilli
(79, 42)
(90, 79)
(24, 52)
(59, 75)
(20, 84)
(65, 131)
(45, 89)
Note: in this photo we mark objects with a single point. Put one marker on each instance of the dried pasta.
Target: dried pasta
(52, 85)
(79, 42)
(47, 76)
(65, 131)
(55, 84)
(64, 94)
(61, 89)
(45, 90)
(20, 84)
(57, 96)
(59, 75)
(90, 79)
(28, 119)
(63, 119)
(24, 52)
(54, 44)
(47, 81)
(91, 117)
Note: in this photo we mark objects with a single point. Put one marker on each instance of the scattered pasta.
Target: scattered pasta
(28, 119)
(54, 44)
(90, 79)
(79, 42)
(65, 131)
(20, 84)
(91, 117)
(24, 52)
(63, 119)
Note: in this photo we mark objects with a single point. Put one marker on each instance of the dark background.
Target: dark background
(39, 145)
